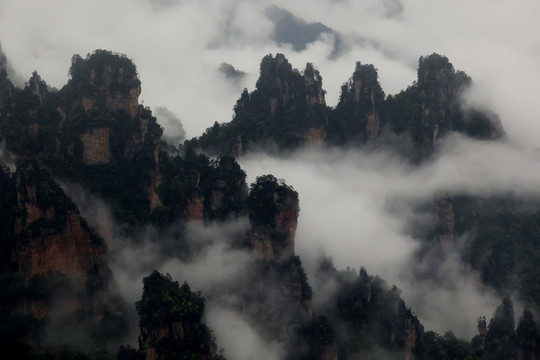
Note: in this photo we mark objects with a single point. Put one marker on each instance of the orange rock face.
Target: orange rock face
(96, 148)
(315, 136)
(444, 215)
(70, 252)
(374, 123)
(128, 102)
(195, 208)
(278, 240)
(53, 239)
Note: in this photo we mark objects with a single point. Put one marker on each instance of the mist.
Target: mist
(357, 206)
(178, 47)
(360, 208)
(214, 264)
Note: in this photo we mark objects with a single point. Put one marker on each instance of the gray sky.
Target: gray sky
(178, 46)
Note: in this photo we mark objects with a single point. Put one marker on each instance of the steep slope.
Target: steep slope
(170, 321)
(285, 112)
(278, 279)
(286, 109)
(7, 89)
(431, 108)
(368, 316)
(356, 118)
(95, 133)
(60, 263)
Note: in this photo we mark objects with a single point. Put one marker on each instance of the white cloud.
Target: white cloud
(178, 46)
(357, 208)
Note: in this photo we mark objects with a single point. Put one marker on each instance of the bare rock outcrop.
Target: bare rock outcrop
(53, 240)
(273, 213)
(444, 216)
(277, 240)
(96, 148)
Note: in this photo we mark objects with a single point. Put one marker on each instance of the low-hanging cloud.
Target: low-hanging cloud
(242, 340)
(495, 43)
(206, 257)
(360, 209)
(355, 205)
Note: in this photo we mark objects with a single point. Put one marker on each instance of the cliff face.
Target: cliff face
(316, 132)
(273, 213)
(93, 131)
(405, 327)
(365, 83)
(437, 84)
(153, 339)
(96, 148)
(440, 88)
(6, 87)
(277, 241)
(356, 117)
(444, 216)
(107, 87)
(54, 241)
(287, 109)
(107, 80)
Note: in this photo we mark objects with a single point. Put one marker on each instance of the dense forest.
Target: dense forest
(61, 298)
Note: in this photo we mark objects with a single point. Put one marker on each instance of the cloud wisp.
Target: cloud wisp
(359, 208)
(178, 47)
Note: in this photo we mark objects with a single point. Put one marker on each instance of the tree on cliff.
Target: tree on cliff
(278, 113)
(501, 338)
(170, 320)
(262, 202)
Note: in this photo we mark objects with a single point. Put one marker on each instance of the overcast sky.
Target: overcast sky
(178, 46)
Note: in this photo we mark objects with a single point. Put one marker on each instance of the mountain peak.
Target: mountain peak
(106, 80)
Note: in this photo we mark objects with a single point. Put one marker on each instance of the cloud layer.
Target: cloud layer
(179, 45)
(355, 206)
(358, 208)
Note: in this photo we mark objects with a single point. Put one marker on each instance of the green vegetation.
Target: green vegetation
(124, 164)
(220, 182)
(503, 243)
(265, 195)
(360, 98)
(275, 115)
(278, 115)
(99, 71)
(431, 107)
(163, 303)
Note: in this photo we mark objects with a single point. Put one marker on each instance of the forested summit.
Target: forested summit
(95, 133)
(288, 109)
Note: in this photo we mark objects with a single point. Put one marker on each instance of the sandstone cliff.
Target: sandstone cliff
(94, 132)
(405, 327)
(54, 240)
(273, 222)
(444, 216)
(273, 213)
(287, 109)
(356, 117)
(440, 88)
